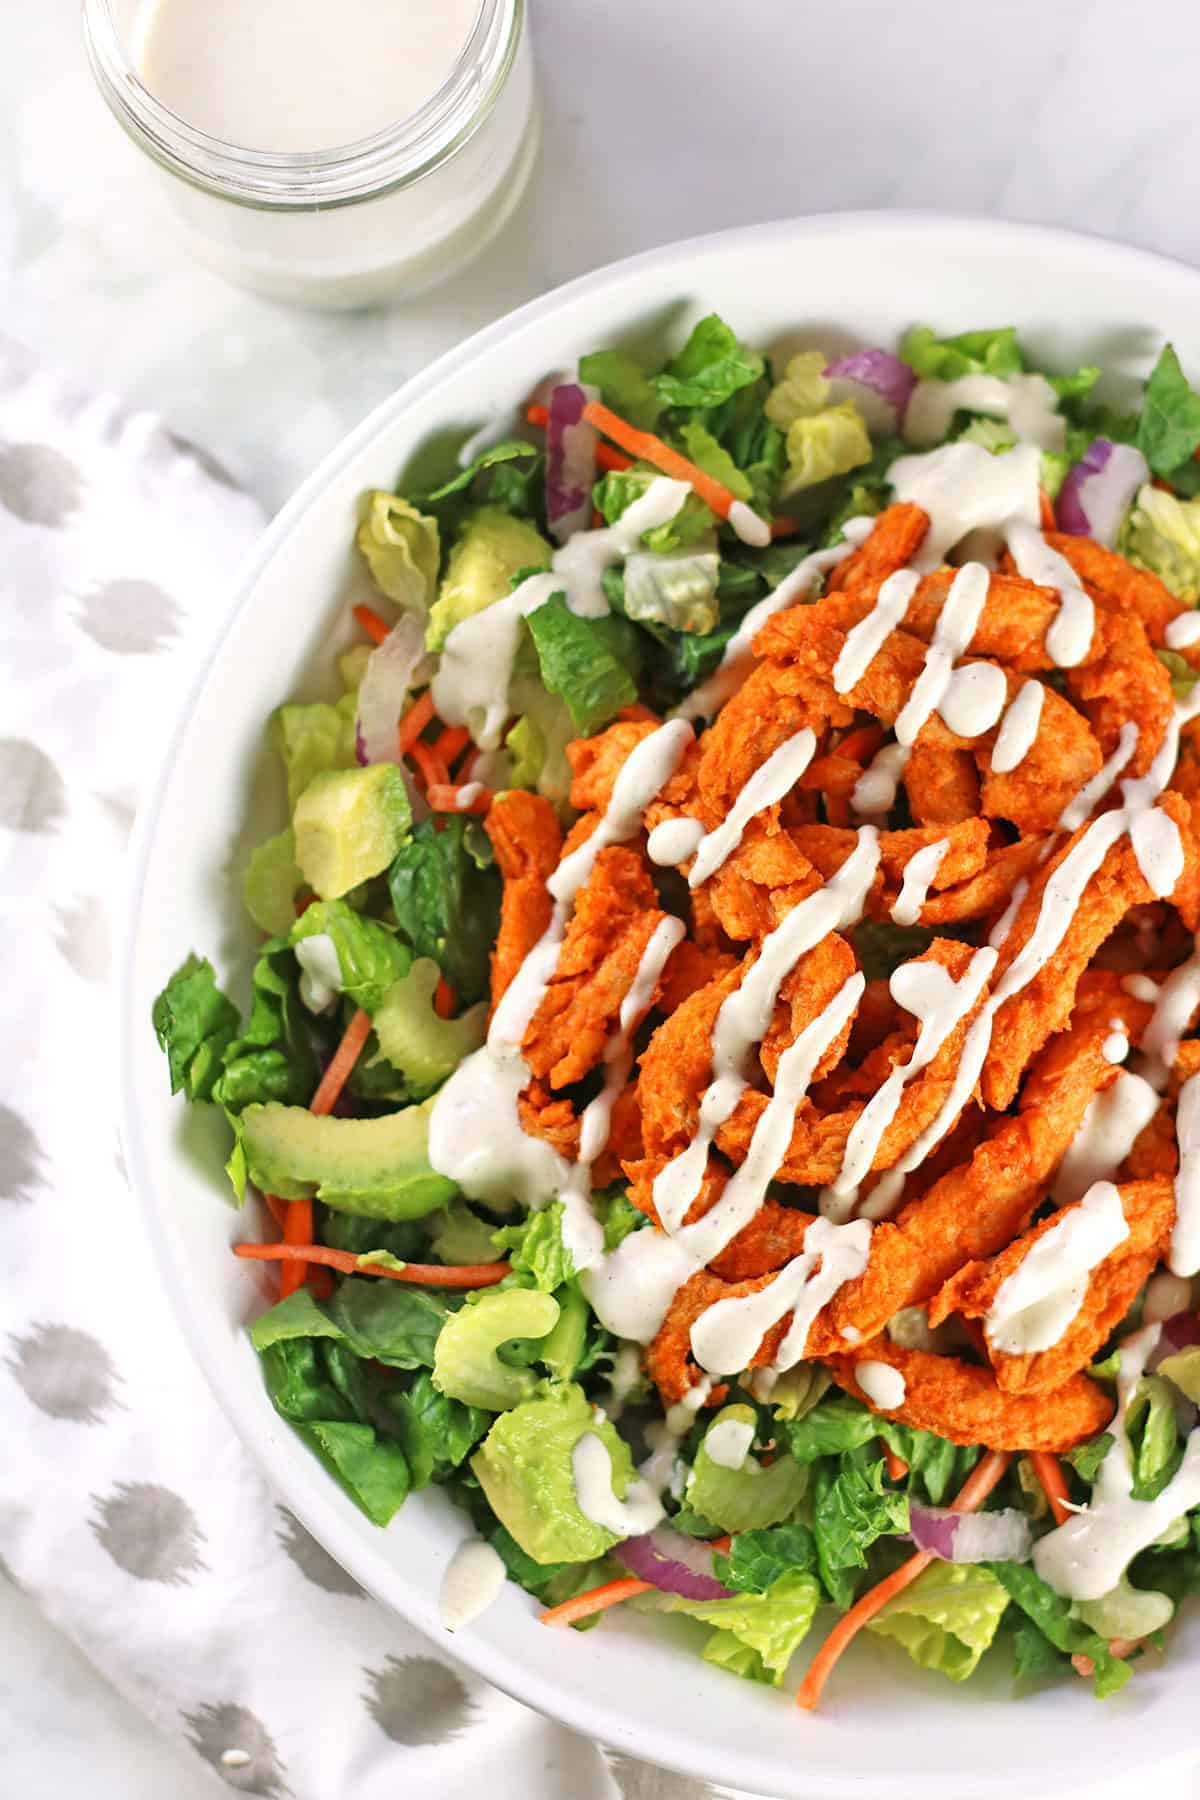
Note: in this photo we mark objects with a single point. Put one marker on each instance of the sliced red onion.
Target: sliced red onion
(1099, 490)
(878, 383)
(1181, 1331)
(391, 671)
(570, 459)
(1002, 1536)
(673, 1563)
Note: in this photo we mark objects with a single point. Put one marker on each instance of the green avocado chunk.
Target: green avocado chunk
(376, 1167)
(349, 824)
(524, 1467)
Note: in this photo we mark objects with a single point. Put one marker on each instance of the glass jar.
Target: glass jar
(377, 219)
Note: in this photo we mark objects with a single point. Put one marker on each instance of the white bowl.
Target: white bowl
(639, 1685)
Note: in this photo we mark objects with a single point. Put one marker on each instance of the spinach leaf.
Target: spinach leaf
(447, 904)
(194, 1022)
(435, 1432)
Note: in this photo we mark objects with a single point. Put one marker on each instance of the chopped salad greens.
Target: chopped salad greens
(434, 1079)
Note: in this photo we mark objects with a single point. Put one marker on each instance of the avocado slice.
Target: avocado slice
(349, 824)
(376, 1167)
(524, 1467)
(491, 548)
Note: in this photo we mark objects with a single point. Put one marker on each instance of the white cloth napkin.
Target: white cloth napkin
(128, 1509)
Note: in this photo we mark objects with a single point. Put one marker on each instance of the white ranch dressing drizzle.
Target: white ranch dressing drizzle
(1183, 1258)
(745, 1015)
(1076, 811)
(1115, 1047)
(707, 700)
(1037, 1302)
(964, 489)
(475, 1133)
(865, 640)
(884, 1386)
(727, 1442)
(663, 1468)
(768, 784)
(1028, 402)
(591, 1466)
(320, 971)
(726, 1336)
(1165, 1296)
(919, 872)
(1018, 728)
(625, 1378)
(1069, 637)
(673, 841)
(874, 792)
(930, 993)
(582, 1233)
(471, 684)
(1183, 631)
(1110, 1127)
(472, 1579)
(1004, 924)
(748, 525)
(1085, 1557)
(974, 699)
(1174, 1003)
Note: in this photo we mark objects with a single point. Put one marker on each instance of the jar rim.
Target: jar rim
(301, 180)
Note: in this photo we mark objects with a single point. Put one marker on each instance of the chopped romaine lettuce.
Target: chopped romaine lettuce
(402, 549)
(273, 1057)
(436, 1434)
(946, 1618)
(504, 461)
(447, 902)
(824, 444)
(589, 663)
(194, 1022)
(624, 386)
(1162, 534)
(757, 1559)
(271, 882)
(704, 450)
(313, 739)
(677, 590)
(756, 1635)
(710, 368)
(370, 957)
(969, 353)
(802, 392)
(851, 1509)
(617, 490)
(536, 1251)
(1169, 427)
(1053, 1618)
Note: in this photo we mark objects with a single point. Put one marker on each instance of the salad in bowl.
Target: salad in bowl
(717, 1071)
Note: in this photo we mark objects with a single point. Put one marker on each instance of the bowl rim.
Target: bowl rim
(567, 1706)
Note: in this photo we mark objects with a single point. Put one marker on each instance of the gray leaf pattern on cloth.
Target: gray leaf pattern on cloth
(6, 1574)
(65, 1373)
(129, 617)
(239, 1747)
(149, 1532)
(312, 1559)
(39, 484)
(84, 939)
(21, 1157)
(416, 1700)
(641, 1781)
(121, 808)
(204, 459)
(32, 795)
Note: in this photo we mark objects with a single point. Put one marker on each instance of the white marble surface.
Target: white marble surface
(662, 118)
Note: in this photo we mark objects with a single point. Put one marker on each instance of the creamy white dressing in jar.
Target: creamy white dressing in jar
(328, 155)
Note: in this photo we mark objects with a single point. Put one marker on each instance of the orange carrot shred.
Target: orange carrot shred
(415, 720)
(606, 456)
(446, 797)
(371, 623)
(538, 415)
(434, 772)
(338, 1073)
(783, 527)
(450, 1275)
(896, 1466)
(452, 743)
(597, 1599)
(970, 1497)
(297, 1229)
(276, 1207)
(651, 449)
(1053, 1483)
(445, 1000)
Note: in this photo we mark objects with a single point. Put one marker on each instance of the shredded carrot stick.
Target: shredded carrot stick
(860, 744)
(896, 1466)
(468, 765)
(371, 622)
(450, 1275)
(434, 772)
(445, 796)
(445, 1000)
(974, 1491)
(651, 449)
(783, 527)
(344, 1058)
(452, 743)
(837, 810)
(276, 1207)
(606, 456)
(297, 1229)
(722, 1544)
(415, 720)
(1049, 1473)
(597, 1599)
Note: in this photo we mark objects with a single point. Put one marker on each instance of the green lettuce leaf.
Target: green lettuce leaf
(755, 1635)
(194, 1022)
(1162, 534)
(499, 457)
(536, 1251)
(271, 882)
(625, 388)
(824, 444)
(313, 739)
(1169, 427)
(757, 1559)
(436, 1433)
(710, 368)
(388, 1321)
(617, 490)
(273, 1058)
(370, 955)
(589, 663)
(1052, 1616)
(447, 902)
(1150, 1423)
(402, 549)
(704, 450)
(852, 1509)
(617, 1214)
(994, 352)
(947, 1617)
(371, 1468)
